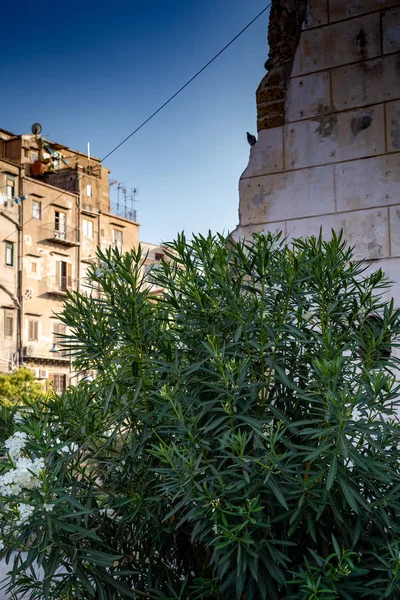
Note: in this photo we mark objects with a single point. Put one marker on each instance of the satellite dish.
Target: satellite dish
(36, 128)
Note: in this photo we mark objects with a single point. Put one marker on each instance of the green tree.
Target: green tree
(240, 439)
(16, 388)
(19, 387)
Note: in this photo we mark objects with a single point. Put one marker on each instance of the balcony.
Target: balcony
(40, 352)
(68, 236)
(8, 204)
(58, 286)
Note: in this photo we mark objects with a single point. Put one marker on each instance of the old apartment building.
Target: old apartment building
(153, 254)
(54, 212)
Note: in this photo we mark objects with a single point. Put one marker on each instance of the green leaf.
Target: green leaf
(277, 491)
(331, 473)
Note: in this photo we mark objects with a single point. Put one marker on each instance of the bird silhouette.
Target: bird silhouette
(251, 139)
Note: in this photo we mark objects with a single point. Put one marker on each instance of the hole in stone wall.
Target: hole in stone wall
(358, 124)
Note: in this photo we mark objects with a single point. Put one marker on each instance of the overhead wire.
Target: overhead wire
(156, 112)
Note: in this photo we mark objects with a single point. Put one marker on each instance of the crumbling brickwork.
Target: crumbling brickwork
(286, 21)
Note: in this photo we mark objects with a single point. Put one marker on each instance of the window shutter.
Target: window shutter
(33, 330)
(69, 275)
(8, 324)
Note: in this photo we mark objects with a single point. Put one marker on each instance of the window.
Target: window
(34, 156)
(59, 382)
(10, 188)
(117, 238)
(89, 191)
(60, 224)
(33, 330)
(63, 275)
(87, 228)
(159, 256)
(36, 209)
(8, 324)
(10, 254)
(34, 268)
(59, 329)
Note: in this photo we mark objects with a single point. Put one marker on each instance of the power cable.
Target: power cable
(68, 189)
(186, 84)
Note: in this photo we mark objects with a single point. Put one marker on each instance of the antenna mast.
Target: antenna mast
(125, 206)
(134, 200)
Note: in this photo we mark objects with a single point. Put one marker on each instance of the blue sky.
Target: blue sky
(94, 71)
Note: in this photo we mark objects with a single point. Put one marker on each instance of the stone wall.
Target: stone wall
(328, 148)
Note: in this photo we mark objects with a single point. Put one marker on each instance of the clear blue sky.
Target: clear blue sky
(92, 71)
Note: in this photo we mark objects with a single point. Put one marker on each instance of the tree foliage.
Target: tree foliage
(240, 439)
(16, 388)
(19, 387)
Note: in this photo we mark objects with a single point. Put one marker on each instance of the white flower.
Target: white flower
(15, 444)
(1, 545)
(18, 417)
(48, 507)
(25, 511)
(73, 447)
(24, 476)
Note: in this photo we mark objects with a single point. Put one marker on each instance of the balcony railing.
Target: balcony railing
(8, 204)
(69, 236)
(58, 286)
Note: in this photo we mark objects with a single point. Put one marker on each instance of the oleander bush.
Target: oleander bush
(240, 438)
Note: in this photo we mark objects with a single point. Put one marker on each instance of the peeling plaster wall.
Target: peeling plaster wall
(328, 149)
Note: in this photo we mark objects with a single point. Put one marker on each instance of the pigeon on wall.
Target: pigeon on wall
(251, 139)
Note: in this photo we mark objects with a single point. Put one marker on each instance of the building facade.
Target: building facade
(54, 214)
(153, 254)
(328, 147)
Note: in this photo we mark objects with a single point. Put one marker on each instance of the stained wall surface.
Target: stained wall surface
(328, 148)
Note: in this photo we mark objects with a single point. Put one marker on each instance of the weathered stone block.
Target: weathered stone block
(366, 229)
(248, 230)
(317, 14)
(368, 182)
(393, 126)
(266, 156)
(391, 267)
(308, 96)
(335, 138)
(395, 230)
(344, 9)
(270, 94)
(289, 195)
(271, 122)
(391, 31)
(338, 44)
(270, 109)
(367, 82)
